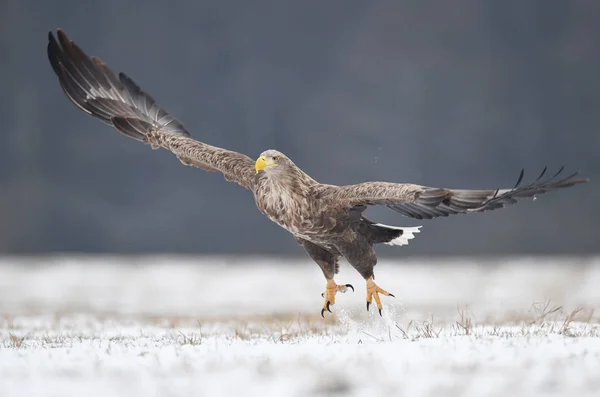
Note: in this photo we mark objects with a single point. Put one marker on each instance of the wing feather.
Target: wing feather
(118, 101)
(422, 202)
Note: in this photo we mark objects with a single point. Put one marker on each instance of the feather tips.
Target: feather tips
(422, 202)
(434, 202)
(117, 100)
(96, 89)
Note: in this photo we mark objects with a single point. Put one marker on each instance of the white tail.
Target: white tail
(408, 233)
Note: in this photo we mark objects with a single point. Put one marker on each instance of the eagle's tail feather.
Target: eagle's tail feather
(392, 235)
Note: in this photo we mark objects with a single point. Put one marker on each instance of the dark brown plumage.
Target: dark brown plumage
(327, 220)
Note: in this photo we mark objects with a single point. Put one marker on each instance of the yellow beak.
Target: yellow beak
(261, 164)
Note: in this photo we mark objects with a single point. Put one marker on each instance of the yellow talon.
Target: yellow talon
(373, 291)
(330, 290)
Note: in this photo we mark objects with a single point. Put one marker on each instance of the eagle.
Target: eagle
(328, 221)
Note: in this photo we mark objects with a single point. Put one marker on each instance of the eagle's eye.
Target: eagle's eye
(275, 158)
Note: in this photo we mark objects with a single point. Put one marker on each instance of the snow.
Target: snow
(195, 326)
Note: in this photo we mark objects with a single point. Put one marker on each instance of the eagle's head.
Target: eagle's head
(272, 161)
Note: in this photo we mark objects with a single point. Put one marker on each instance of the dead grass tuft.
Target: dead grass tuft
(15, 342)
(424, 330)
(464, 323)
(427, 329)
(193, 339)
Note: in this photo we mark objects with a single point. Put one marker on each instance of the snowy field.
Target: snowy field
(185, 326)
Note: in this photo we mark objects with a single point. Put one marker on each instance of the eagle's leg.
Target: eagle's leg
(373, 291)
(359, 252)
(330, 290)
(328, 262)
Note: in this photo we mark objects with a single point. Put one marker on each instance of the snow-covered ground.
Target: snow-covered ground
(185, 326)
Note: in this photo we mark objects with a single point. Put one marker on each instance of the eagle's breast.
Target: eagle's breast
(287, 207)
(288, 202)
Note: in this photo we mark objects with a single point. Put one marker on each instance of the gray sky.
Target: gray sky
(453, 94)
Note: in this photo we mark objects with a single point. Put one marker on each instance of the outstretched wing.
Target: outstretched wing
(422, 202)
(115, 99)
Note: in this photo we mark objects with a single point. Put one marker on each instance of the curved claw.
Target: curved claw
(350, 286)
(323, 313)
(368, 304)
(322, 294)
(380, 313)
(328, 309)
(392, 295)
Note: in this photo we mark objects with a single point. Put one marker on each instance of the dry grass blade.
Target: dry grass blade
(543, 310)
(405, 333)
(566, 326)
(464, 322)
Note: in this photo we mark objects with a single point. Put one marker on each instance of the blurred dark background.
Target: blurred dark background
(453, 94)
